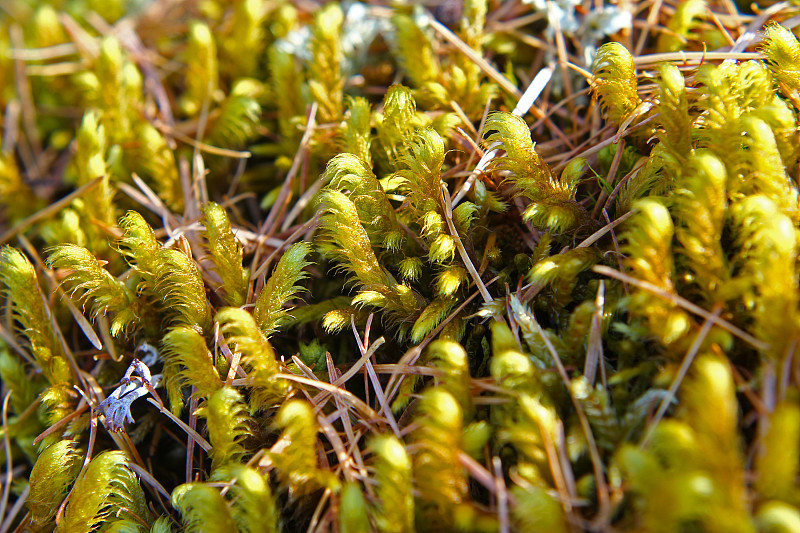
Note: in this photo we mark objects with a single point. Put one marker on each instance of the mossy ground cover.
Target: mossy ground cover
(492, 265)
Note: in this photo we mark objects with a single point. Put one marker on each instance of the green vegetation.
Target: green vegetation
(383, 293)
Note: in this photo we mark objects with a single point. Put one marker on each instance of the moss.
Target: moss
(377, 289)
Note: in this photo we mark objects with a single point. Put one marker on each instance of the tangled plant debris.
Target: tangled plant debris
(491, 265)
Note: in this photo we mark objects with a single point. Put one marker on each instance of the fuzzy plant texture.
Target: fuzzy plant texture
(301, 266)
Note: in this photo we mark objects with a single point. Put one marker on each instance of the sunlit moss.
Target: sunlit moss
(375, 297)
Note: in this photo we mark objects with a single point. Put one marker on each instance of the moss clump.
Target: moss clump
(581, 315)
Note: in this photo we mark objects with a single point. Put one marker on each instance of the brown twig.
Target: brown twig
(681, 302)
(49, 211)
